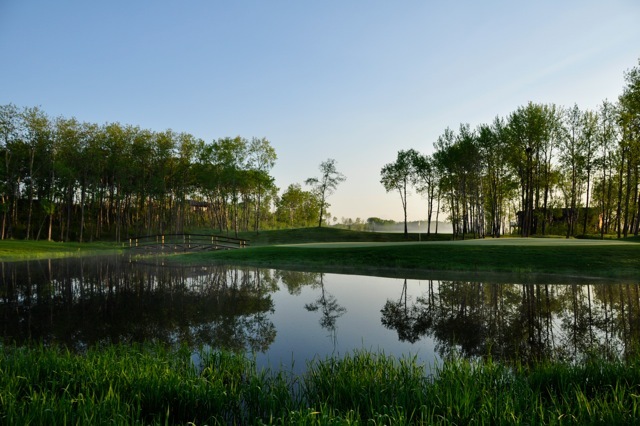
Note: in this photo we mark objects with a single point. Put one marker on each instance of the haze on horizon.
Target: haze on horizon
(354, 81)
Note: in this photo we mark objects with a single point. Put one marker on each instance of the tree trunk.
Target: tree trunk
(619, 209)
(30, 194)
(586, 209)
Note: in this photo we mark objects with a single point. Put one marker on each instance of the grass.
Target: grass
(12, 250)
(330, 235)
(340, 251)
(152, 385)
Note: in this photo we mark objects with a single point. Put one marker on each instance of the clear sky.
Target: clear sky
(353, 80)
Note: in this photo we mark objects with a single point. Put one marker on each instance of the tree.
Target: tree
(572, 158)
(10, 127)
(296, 207)
(326, 185)
(37, 139)
(397, 177)
(262, 158)
(230, 155)
(526, 132)
(629, 122)
(590, 127)
(425, 180)
(498, 180)
(606, 142)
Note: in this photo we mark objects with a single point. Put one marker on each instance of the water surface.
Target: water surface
(286, 318)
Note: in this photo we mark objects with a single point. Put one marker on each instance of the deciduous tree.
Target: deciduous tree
(326, 184)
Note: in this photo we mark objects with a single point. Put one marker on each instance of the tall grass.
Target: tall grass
(152, 385)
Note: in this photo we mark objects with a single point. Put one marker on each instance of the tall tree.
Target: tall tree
(498, 179)
(326, 184)
(629, 121)
(230, 155)
(37, 140)
(606, 142)
(526, 131)
(397, 176)
(425, 180)
(262, 158)
(572, 158)
(590, 126)
(10, 127)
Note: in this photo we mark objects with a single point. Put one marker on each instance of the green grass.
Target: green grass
(339, 250)
(151, 385)
(386, 255)
(328, 235)
(11, 250)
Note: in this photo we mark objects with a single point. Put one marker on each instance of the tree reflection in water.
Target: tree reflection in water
(329, 308)
(86, 301)
(524, 322)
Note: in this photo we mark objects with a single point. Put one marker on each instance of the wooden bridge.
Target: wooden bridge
(186, 242)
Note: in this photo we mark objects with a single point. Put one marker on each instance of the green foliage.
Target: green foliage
(152, 385)
(84, 182)
(503, 178)
(325, 185)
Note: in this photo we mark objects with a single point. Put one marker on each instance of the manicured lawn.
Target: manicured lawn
(338, 250)
(608, 258)
(11, 250)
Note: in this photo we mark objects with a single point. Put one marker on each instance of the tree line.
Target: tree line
(543, 169)
(62, 179)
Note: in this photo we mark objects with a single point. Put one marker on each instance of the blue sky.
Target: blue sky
(351, 80)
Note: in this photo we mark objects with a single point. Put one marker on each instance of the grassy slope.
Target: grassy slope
(329, 235)
(12, 250)
(338, 250)
(555, 256)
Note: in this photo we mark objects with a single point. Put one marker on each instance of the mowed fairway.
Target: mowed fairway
(587, 258)
(528, 242)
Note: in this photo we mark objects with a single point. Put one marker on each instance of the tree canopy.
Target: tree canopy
(542, 169)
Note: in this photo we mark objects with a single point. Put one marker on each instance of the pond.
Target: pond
(285, 318)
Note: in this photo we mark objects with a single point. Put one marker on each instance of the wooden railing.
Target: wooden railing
(186, 242)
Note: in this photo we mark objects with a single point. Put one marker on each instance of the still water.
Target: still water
(286, 318)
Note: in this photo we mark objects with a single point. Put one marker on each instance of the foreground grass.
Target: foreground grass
(151, 385)
(525, 256)
(11, 250)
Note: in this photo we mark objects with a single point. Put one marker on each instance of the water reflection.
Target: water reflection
(82, 302)
(527, 322)
(327, 304)
(282, 315)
